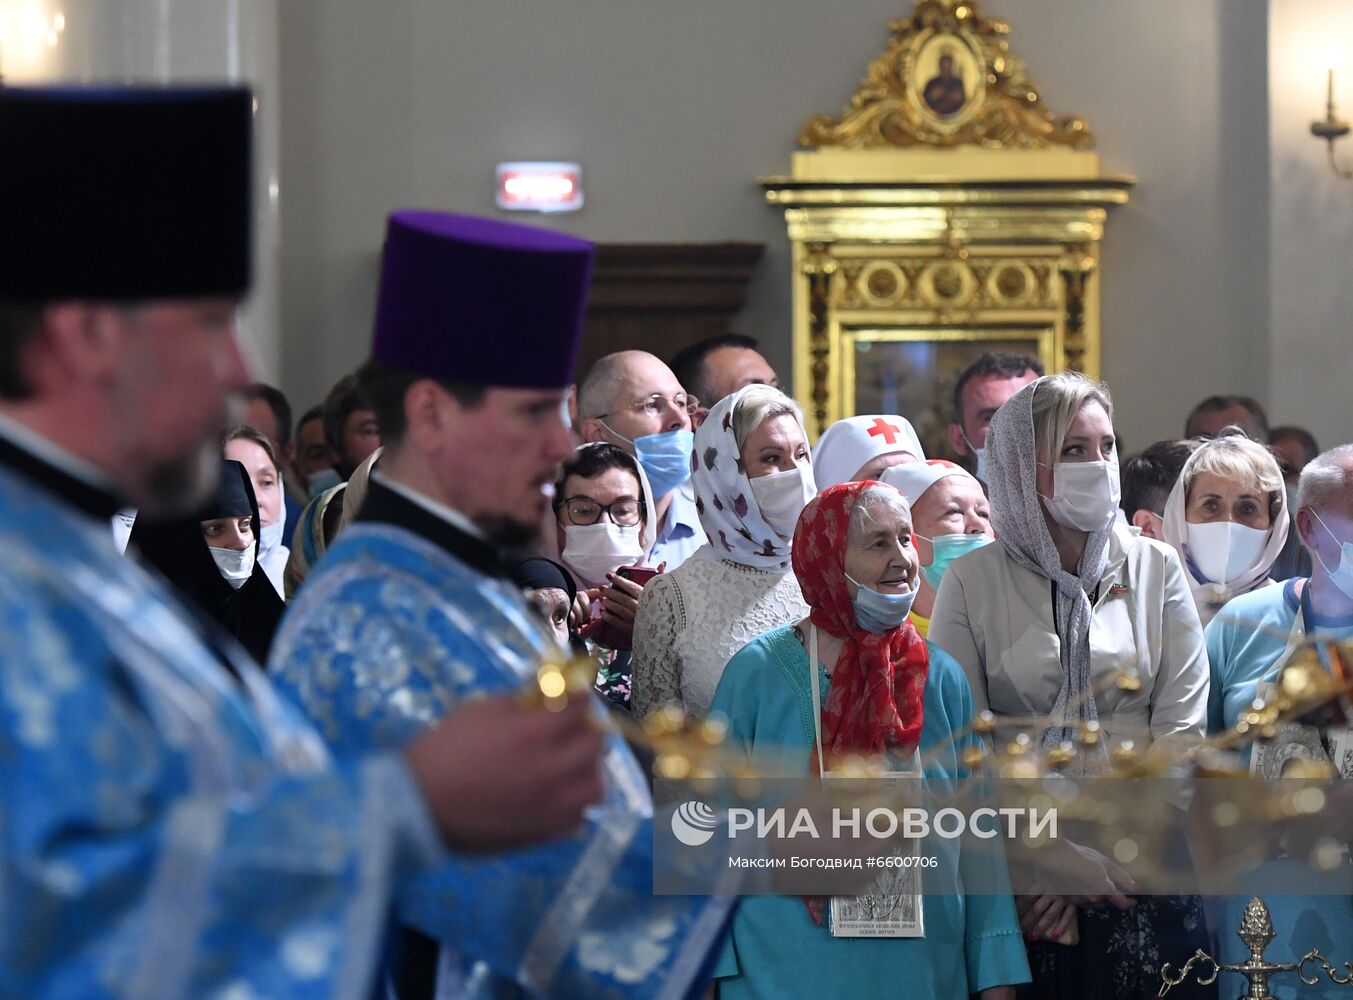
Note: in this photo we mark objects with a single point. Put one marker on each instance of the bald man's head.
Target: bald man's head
(630, 394)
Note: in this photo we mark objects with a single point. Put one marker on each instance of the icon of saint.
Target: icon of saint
(944, 94)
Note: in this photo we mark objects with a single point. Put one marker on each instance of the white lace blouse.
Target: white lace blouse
(692, 620)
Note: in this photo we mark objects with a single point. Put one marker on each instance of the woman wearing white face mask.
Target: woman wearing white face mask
(855, 678)
(254, 451)
(1043, 621)
(603, 523)
(752, 475)
(211, 559)
(1227, 519)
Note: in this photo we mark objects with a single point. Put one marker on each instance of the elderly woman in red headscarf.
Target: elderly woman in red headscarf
(874, 688)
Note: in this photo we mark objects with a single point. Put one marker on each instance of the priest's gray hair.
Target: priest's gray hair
(1327, 482)
(755, 405)
(873, 502)
(1056, 402)
(598, 391)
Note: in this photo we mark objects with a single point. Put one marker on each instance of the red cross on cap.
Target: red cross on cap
(889, 432)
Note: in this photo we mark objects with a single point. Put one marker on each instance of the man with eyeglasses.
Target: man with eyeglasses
(633, 400)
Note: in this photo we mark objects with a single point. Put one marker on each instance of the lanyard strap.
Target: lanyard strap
(817, 697)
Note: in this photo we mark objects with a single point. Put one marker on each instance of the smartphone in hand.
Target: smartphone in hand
(603, 633)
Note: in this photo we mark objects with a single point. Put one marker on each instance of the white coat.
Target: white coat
(996, 618)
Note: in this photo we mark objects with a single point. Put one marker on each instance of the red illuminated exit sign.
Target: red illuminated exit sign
(540, 187)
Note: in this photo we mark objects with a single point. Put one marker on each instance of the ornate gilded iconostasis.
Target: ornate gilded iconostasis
(946, 212)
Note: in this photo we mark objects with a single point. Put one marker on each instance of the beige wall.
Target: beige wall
(1312, 213)
(158, 42)
(675, 109)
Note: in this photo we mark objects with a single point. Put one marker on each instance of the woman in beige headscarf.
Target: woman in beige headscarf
(1043, 621)
(321, 521)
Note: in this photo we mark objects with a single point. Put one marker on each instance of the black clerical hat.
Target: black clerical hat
(124, 193)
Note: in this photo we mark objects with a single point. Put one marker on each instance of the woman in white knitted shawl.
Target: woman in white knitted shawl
(752, 474)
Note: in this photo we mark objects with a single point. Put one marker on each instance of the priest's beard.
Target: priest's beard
(182, 485)
(506, 533)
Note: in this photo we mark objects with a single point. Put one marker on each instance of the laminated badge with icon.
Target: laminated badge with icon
(1297, 740)
(894, 906)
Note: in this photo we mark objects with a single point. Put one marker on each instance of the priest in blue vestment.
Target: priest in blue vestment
(169, 827)
(413, 611)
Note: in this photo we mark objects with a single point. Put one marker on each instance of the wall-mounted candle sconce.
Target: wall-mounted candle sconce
(1331, 128)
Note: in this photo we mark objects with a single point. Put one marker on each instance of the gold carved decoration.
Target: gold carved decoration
(819, 269)
(937, 220)
(947, 78)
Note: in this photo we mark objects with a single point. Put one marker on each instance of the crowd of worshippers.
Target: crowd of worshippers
(381, 811)
(643, 541)
(675, 556)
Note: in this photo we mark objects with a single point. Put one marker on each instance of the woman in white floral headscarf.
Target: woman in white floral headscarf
(752, 474)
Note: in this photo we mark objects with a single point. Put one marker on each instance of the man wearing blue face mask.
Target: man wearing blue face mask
(1247, 644)
(631, 399)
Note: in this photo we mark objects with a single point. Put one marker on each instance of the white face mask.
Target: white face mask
(980, 454)
(593, 550)
(236, 565)
(1084, 494)
(781, 497)
(1223, 550)
(270, 538)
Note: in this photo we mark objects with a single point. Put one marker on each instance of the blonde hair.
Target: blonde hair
(1232, 455)
(1057, 400)
(757, 404)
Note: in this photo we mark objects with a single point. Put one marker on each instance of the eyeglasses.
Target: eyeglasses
(656, 405)
(626, 512)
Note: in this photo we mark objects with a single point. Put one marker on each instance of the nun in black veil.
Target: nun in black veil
(211, 559)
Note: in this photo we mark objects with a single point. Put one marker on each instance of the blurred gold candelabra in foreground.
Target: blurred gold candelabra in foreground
(1256, 931)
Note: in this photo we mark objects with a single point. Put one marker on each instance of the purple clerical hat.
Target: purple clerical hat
(479, 301)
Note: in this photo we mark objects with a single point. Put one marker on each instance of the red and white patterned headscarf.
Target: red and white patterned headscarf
(874, 703)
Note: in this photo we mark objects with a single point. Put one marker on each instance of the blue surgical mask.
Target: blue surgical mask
(317, 482)
(666, 457)
(1342, 575)
(948, 548)
(876, 611)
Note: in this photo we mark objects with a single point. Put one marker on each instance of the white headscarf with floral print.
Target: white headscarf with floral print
(724, 499)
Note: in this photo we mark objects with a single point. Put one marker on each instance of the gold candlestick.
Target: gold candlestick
(1256, 931)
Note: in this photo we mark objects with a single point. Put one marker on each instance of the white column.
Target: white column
(159, 41)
